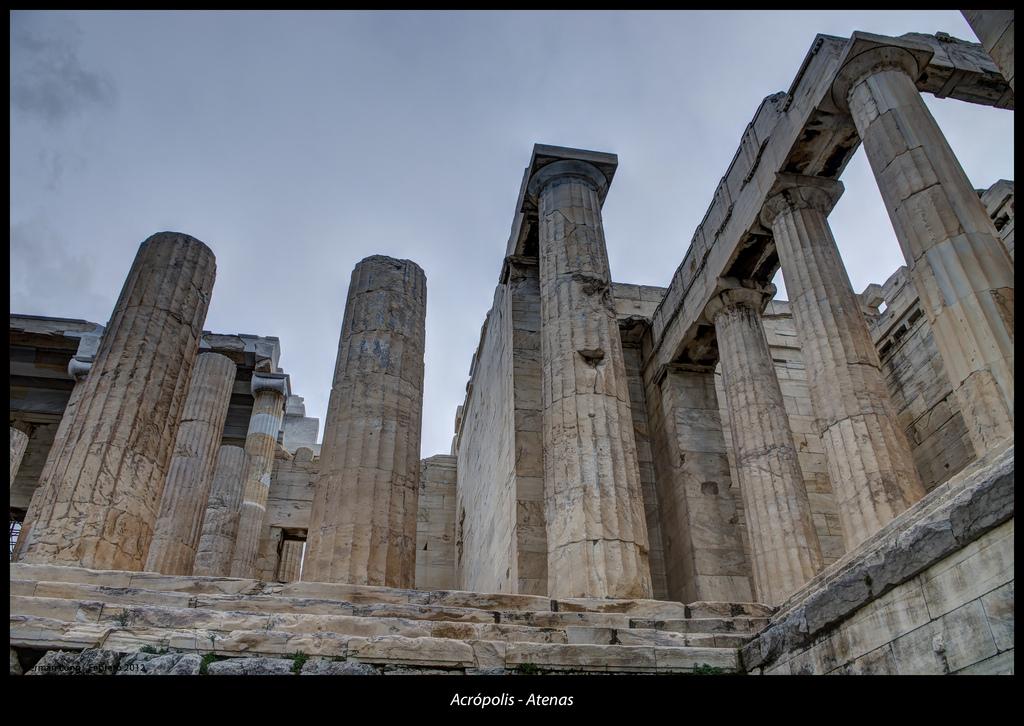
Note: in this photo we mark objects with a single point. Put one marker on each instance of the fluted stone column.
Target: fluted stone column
(269, 391)
(220, 522)
(104, 484)
(19, 442)
(596, 527)
(958, 265)
(363, 522)
(187, 490)
(78, 369)
(869, 461)
(784, 547)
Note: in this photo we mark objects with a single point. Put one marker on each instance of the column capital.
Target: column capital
(867, 54)
(731, 292)
(79, 367)
(277, 382)
(796, 191)
(582, 170)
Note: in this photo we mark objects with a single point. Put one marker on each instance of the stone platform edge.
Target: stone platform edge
(950, 517)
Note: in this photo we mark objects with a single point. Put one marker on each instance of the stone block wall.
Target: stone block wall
(955, 617)
(501, 542)
(645, 457)
(931, 593)
(289, 503)
(920, 390)
(435, 524)
(485, 501)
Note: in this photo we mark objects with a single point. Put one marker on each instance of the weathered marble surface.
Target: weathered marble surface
(363, 521)
(97, 503)
(220, 520)
(596, 527)
(918, 568)
(784, 548)
(269, 392)
(178, 525)
(870, 464)
(958, 264)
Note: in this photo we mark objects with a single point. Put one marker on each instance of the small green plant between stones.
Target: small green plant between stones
(209, 658)
(298, 660)
(527, 669)
(153, 651)
(707, 670)
(123, 618)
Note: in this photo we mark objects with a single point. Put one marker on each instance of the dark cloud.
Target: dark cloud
(47, 78)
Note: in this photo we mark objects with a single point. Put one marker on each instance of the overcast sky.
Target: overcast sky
(296, 144)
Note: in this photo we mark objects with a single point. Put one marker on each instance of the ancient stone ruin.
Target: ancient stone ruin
(698, 478)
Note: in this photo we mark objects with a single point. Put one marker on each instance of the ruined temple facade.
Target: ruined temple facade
(641, 479)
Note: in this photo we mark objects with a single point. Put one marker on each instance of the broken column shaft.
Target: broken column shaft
(363, 522)
(103, 484)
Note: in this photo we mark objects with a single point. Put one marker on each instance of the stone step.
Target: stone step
(664, 609)
(311, 606)
(370, 595)
(47, 633)
(741, 625)
(224, 621)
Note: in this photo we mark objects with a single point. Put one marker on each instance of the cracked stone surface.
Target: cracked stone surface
(870, 465)
(363, 520)
(784, 548)
(220, 521)
(91, 661)
(942, 525)
(177, 532)
(596, 526)
(99, 497)
(958, 264)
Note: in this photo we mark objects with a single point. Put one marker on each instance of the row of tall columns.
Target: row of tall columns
(596, 527)
(269, 391)
(98, 496)
(964, 277)
(177, 531)
(116, 494)
(363, 521)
